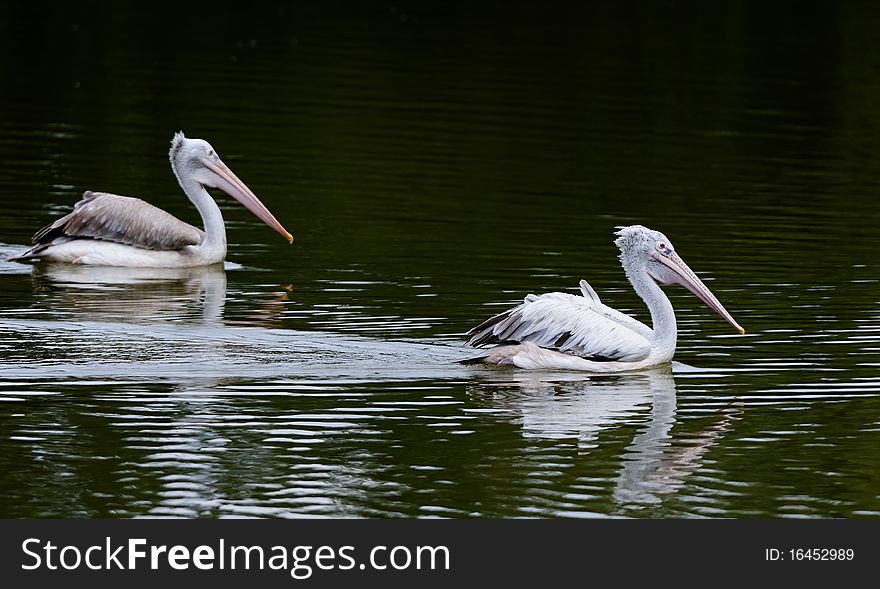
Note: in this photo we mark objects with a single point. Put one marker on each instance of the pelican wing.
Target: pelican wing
(123, 219)
(613, 314)
(580, 326)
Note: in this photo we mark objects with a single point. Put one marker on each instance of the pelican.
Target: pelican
(565, 331)
(111, 230)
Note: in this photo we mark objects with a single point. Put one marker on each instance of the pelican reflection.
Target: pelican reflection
(564, 406)
(139, 295)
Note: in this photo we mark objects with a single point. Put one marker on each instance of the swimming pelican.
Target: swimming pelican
(560, 330)
(111, 230)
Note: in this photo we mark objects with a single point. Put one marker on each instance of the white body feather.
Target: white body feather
(571, 324)
(95, 252)
(564, 331)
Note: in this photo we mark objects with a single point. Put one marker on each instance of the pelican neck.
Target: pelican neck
(212, 218)
(663, 323)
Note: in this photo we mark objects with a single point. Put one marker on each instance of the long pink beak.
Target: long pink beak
(690, 281)
(229, 183)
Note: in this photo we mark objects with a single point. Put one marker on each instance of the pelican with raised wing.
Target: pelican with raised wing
(111, 230)
(561, 330)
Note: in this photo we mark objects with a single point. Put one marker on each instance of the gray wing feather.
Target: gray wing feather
(589, 292)
(581, 326)
(122, 219)
(614, 314)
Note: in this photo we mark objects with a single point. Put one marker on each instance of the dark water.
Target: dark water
(436, 165)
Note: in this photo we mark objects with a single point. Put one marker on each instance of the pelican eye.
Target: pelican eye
(664, 248)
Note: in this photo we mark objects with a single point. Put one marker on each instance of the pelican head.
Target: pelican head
(645, 249)
(195, 159)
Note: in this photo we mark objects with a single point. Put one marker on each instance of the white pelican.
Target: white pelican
(560, 330)
(111, 230)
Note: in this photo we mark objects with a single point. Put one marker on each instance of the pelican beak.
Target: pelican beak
(229, 183)
(689, 280)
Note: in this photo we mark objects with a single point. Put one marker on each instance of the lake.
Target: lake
(436, 165)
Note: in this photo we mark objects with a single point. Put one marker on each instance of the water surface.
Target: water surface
(435, 167)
